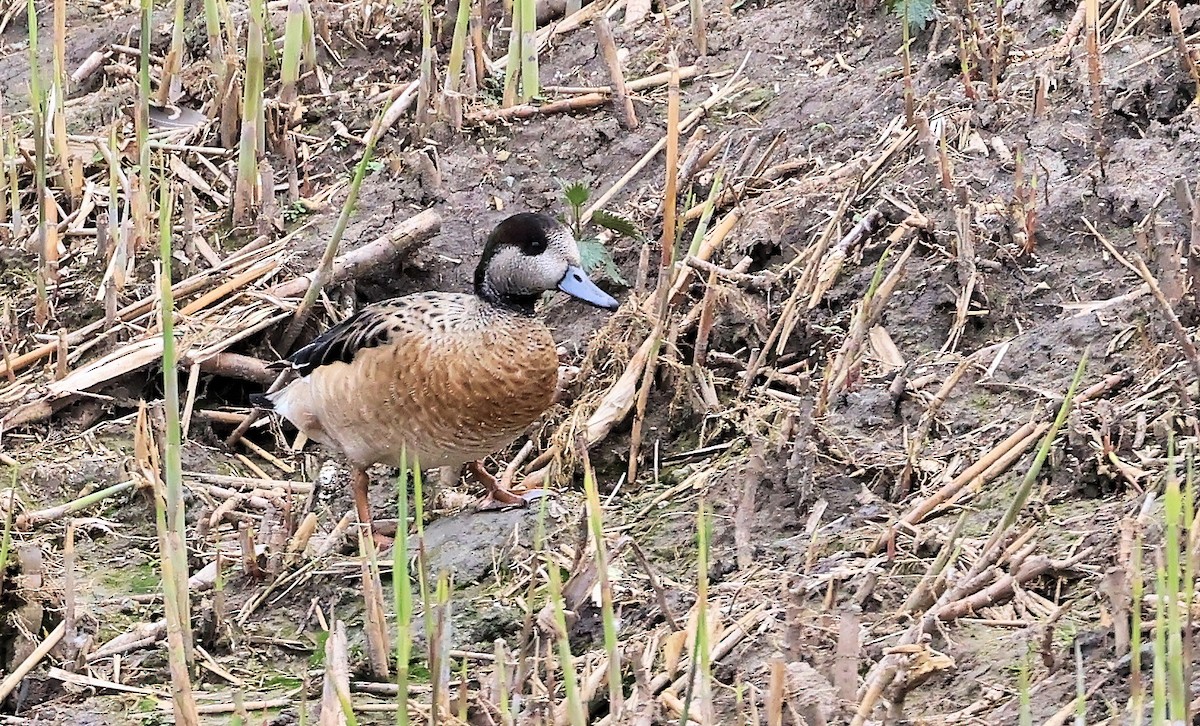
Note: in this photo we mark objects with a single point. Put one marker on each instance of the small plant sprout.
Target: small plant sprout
(594, 254)
(10, 506)
(216, 43)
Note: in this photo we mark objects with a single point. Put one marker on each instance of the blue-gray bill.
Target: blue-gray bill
(577, 284)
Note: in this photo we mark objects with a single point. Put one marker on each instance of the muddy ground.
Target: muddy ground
(799, 495)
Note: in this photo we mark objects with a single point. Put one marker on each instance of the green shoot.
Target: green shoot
(594, 255)
(248, 191)
(1025, 713)
(172, 536)
(325, 268)
(171, 83)
(703, 651)
(566, 663)
(522, 67)
(1173, 510)
(1189, 562)
(1159, 714)
(513, 67)
(425, 85)
(529, 49)
(141, 202)
(6, 541)
(72, 184)
(595, 517)
(1026, 488)
(216, 42)
(402, 593)
(576, 195)
(707, 211)
(454, 72)
(293, 41)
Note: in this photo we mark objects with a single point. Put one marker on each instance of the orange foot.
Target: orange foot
(498, 495)
(359, 482)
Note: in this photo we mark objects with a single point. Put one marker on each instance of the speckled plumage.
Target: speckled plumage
(446, 377)
(451, 376)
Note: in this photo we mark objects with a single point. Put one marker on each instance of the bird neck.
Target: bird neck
(488, 292)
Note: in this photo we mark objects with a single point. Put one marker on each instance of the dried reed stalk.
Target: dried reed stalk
(1185, 52)
(13, 679)
(1092, 33)
(620, 96)
(867, 316)
(666, 263)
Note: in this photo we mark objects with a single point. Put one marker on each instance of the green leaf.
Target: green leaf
(617, 223)
(918, 13)
(317, 659)
(596, 258)
(576, 194)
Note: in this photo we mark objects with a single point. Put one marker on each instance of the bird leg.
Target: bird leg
(498, 495)
(359, 481)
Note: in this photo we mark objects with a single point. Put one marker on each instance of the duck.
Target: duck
(442, 379)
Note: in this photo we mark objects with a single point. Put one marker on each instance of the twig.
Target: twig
(917, 441)
(34, 519)
(734, 87)
(41, 651)
(638, 84)
(77, 679)
(1181, 334)
(1185, 52)
(659, 593)
(761, 281)
(620, 97)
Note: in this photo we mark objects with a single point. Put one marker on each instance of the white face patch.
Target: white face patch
(511, 272)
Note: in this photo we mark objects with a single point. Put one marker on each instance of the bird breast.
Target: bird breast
(447, 396)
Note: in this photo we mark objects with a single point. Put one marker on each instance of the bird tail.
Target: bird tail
(262, 400)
